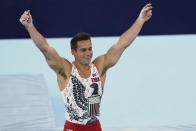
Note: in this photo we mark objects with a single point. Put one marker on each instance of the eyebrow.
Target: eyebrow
(86, 48)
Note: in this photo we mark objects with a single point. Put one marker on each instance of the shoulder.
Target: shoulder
(99, 64)
(67, 67)
(66, 64)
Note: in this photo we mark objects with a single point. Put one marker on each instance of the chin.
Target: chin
(87, 63)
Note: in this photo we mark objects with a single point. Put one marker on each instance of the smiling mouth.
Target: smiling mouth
(87, 57)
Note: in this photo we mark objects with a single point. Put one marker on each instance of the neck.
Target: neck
(81, 66)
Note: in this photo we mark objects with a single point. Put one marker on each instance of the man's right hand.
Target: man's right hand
(26, 19)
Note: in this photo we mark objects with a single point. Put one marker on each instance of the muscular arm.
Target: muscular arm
(53, 59)
(113, 54)
(56, 62)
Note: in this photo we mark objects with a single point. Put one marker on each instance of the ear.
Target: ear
(73, 51)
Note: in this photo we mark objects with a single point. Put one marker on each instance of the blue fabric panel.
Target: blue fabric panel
(24, 103)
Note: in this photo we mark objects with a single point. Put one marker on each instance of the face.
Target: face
(83, 53)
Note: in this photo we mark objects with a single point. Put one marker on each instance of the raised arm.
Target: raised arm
(57, 63)
(113, 54)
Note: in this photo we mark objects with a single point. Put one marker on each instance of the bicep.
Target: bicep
(56, 62)
(113, 55)
(109, 59)
(52, 57)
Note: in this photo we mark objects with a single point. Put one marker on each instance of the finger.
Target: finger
(22, 20)
(149, 14)
(25, 17)
(30, 17)
(28, 12)
(148, 8)
(147, 5)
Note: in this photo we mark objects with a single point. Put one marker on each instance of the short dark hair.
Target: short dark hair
(79, 37)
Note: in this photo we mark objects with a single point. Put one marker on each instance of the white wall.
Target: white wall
(154, 83)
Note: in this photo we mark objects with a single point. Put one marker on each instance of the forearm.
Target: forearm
(113, 54)
(129, 36)
(49, 52)
(52, 57)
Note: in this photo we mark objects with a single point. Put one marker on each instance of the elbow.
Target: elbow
(52, 64)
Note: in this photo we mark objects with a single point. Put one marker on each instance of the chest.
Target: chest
(87, 87)
(84, 74)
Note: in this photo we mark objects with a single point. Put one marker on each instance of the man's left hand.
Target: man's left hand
(146, 12)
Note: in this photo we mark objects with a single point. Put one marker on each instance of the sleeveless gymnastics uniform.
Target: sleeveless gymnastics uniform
(82, 98)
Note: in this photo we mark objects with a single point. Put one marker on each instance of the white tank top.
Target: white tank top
(82, 97)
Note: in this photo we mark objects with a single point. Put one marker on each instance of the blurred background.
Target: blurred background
(151, 88)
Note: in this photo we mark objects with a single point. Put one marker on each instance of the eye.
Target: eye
(90, 49)
(83, 49)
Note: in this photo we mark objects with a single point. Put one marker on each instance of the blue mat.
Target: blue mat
(24, 103)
